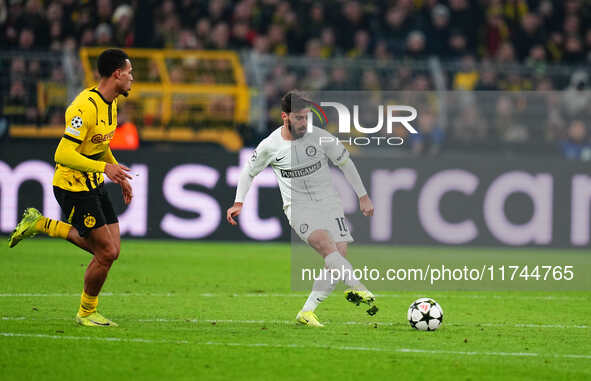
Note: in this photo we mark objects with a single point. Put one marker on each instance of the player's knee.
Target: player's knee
(107, 254)
(322, 242)
(117, 250)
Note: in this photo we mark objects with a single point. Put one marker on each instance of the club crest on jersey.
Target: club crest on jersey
(89, 221)
(304, 228)
(311, 151)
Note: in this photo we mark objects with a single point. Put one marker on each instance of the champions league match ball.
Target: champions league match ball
(425, 314)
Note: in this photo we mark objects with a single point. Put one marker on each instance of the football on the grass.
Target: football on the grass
(425, 314)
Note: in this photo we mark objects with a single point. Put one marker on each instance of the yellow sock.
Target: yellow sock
(53, 228)
(87, 304)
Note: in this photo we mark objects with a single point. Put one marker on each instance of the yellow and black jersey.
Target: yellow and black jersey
(84, 149)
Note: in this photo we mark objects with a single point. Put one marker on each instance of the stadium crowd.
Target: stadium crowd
(477, 40)
(501, 30)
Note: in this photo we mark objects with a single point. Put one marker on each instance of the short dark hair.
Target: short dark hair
(294, 101)
(111, 60)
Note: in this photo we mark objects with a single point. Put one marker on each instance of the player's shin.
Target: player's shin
(53, 228)
(343, 269)
(321, 289)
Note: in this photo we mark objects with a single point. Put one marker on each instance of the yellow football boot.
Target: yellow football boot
(95, 320)
(308, 318)
(26, 227)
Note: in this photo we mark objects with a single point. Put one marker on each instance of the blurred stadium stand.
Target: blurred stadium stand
(220, 66)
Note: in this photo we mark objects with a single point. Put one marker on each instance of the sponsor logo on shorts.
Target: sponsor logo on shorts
(89, 221)
(290, 173)
(311, 151)
(304, 228)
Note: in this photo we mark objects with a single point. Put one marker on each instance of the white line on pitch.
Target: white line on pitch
(294, 295)
(298, 346)
(119, 339)
(291, 322)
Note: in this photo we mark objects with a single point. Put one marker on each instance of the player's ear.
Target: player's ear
(284, 116)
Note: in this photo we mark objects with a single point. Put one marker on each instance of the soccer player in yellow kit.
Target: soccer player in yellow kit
(82, 156)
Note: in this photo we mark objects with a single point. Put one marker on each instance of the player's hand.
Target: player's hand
(117, 172)
(127, 191)
(366, 206)
(233, 212)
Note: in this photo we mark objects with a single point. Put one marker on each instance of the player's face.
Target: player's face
(298, 122)
(125, 78)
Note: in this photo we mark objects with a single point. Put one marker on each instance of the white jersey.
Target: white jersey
(301, 165)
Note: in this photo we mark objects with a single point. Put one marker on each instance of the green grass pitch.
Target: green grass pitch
(221, 311)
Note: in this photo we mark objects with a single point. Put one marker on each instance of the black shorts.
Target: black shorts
(86, 210)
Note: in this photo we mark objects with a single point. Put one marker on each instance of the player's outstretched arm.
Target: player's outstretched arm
(244, 183)
(352, 175)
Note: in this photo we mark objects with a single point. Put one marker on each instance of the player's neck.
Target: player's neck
(107, 90)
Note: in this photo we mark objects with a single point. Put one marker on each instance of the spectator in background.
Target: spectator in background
(487, 80)
(103, 34)
(494, 33)
(576, 100)
(430, 137)
(438, 31)
(467, 77)
(349, 22)
(573, 50)
(122, 21)
(220, 37)
(26, 40)
(395, 29)
(328, 42)
(361, 45)
(415, 45)
(458, 45)
(468, 125)
(465, 19)
(277, 40)
(15, 105)
(528, 35)
(576, 146)
(381, 52)
(339, 80)
(507, 126)
(506, 53)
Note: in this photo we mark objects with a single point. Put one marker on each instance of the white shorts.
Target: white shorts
(307, 218)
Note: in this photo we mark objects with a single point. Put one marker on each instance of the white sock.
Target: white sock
(336, 261)
(320, 291)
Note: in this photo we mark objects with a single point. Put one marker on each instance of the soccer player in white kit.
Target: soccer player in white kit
(313, 207)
